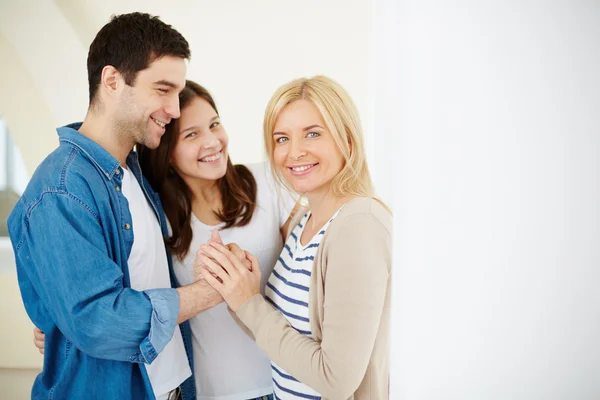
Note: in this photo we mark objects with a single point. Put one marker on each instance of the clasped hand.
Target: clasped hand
(235, 276)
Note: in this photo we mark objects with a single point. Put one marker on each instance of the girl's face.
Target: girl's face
(200, 152)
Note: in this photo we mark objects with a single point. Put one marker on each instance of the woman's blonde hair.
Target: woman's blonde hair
(340, 116)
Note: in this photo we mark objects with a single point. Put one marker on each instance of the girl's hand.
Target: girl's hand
(233, 280)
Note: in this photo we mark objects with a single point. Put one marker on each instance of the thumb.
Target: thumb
(215, 236)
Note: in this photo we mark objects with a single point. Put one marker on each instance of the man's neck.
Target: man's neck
(100, 130)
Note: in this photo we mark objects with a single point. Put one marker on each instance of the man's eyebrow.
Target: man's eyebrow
(167, 83)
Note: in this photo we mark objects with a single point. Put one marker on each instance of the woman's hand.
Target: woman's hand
(38, 339)
(234, 248)
(234, 281)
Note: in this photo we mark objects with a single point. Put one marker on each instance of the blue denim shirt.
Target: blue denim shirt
(71, 233)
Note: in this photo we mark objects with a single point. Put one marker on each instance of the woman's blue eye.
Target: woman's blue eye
(281, 139)
(313, 134)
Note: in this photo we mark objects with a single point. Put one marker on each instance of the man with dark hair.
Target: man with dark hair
(88, 232)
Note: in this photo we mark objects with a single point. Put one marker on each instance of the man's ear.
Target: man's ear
(110, 80)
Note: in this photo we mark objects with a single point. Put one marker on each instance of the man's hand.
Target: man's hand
(212, 297)
(39, 338)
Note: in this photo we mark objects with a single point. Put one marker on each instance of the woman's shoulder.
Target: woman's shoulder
(365, 209)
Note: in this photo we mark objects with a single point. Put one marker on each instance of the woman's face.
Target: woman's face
(304, 150)
(200, 151)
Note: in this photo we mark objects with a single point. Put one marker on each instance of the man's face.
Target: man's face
(143, 110)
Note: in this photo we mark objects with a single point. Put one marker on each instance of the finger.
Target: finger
(201, 253)
(39, 345)
(246, 261)
(221, 256)
(200, 273)
(214, 235)
(198, 265)
(215, 268)
(235, 261)
(38, 334)
(211, 280)
(240, 254)
(255, 265)
(236, 250)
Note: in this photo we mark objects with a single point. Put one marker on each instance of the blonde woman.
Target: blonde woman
(324, 318)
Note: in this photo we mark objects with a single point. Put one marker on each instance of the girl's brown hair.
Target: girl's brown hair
(237, 187)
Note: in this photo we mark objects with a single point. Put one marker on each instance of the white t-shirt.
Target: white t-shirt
(149, 269)
(228, 364)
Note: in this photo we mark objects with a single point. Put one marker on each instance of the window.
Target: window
(13, 176)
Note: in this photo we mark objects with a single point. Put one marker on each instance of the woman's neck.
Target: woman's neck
(206, 200)
(322, 207)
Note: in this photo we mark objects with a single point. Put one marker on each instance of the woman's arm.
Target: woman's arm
(358, 266)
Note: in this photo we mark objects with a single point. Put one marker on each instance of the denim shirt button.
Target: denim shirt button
(117, 188)
(127, 226)
(117, 172)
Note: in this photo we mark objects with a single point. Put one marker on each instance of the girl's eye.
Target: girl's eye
(214, 124)
(281, 139)
(191, 134)
(312, 134)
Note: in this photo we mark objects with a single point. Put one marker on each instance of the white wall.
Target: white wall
(497, 192)
(241, 51)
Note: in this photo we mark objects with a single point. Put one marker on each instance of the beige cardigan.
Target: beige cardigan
(349, 308)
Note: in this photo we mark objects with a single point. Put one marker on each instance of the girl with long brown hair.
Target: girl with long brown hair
(202, 190)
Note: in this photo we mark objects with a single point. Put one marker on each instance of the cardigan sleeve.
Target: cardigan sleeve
(358, 258)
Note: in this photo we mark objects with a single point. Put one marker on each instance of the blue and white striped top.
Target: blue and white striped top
(287, 290)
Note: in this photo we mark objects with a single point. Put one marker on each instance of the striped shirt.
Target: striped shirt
(287, 291)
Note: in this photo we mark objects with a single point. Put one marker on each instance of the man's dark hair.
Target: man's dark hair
(130, 43)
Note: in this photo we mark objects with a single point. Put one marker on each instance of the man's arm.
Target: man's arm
(61, 250)
(195, 298)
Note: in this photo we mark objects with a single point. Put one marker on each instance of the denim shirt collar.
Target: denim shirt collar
(97, 154)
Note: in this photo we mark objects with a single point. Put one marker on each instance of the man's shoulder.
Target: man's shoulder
(64, 171)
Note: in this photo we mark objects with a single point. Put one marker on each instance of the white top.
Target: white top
(228, 364)
(288, 291)
(149, 269)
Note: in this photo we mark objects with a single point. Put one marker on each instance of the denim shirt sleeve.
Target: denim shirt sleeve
(61, 249)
